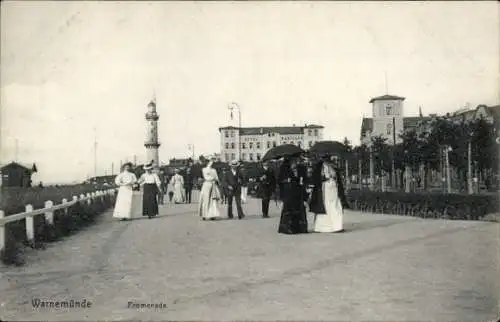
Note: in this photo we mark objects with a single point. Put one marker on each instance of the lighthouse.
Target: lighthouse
(152, 145)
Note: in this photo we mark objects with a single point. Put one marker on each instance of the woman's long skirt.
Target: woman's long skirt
(293, 219)
(208, 208)
(244, 194)
(332, 221)
(178, 193)
(149, 200)
(123, 205)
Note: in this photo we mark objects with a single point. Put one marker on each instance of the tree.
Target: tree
(360, 153)
(348, 154)
(484, 147)
(381, 154)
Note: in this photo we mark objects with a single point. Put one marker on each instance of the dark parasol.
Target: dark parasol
(285, 150)
(328, 148)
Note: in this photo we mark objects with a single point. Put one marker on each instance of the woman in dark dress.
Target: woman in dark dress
(293, 182)
(151, 184)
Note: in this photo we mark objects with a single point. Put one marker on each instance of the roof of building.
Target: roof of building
(26, 166)
(387, 98)
(494, 111)
(283, 130)
(366, 125)
(408, 122)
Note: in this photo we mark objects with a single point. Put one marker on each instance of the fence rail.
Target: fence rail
(48, 211)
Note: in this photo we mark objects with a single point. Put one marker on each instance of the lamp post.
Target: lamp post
(469, 165)
(347, 180)
(372, 166)
(447, 151)
(232, 106)
(407, 173)
(360, 173)
(393, 172)
(191, 148)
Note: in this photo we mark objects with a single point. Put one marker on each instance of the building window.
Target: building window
(251, 156)
(388, 110)
(258, 145)
(243, 156)
(227, 145)
(315, 132)
(232, 145)
(310, 144)
(299, 144)
(233, 157)
(250, 145)
(243, 145)
(258, 156)
(226, 133)
(274, 144)
(291, 142)
(232, 134)
(309, 132)
(389, 129)
(268, 144)
(284, 142)
(226, 156)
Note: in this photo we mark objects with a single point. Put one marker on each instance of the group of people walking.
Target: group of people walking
(320, 191)
(128, 183)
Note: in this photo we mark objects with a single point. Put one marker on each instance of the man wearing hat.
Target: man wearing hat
(188, 181)
(232, 181)
(267, 186)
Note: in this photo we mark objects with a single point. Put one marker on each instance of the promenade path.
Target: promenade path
(385, 268)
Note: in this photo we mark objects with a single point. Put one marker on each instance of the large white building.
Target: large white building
(251, 143)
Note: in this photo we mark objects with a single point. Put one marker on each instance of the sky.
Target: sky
(70, 67)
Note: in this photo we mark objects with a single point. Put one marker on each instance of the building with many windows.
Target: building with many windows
(251, 143)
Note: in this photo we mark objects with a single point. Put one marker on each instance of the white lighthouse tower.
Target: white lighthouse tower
(152, 145)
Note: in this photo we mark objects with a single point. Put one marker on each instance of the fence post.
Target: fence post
(30, 225)
(64, 201)
(49, 215)
(2, 231)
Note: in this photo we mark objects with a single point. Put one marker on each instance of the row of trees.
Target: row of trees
(427, 149)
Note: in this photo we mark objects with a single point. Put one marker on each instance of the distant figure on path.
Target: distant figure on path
(233, 181)
(177, 183)
(125, 181)
(328, 199)
(267, 185)
(209, 194)
(293, 181)
(188, 182)
(223, 188)
(244, 183)
(151, 184)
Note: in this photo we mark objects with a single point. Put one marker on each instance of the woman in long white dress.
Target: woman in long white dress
(210, 193)
(177, 183)
(328, 200)
(124, 200)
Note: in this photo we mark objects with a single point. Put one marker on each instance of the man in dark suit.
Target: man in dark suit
(232, 181)
(267, 186)
(188, 182)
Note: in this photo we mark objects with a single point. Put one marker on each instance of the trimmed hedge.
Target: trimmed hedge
(66, 222)
(13, 199)
(425, 205)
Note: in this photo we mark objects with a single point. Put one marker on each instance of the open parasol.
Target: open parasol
(328, 148)
(281, 151)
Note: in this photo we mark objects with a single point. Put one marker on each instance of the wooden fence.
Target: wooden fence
(48, 211)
